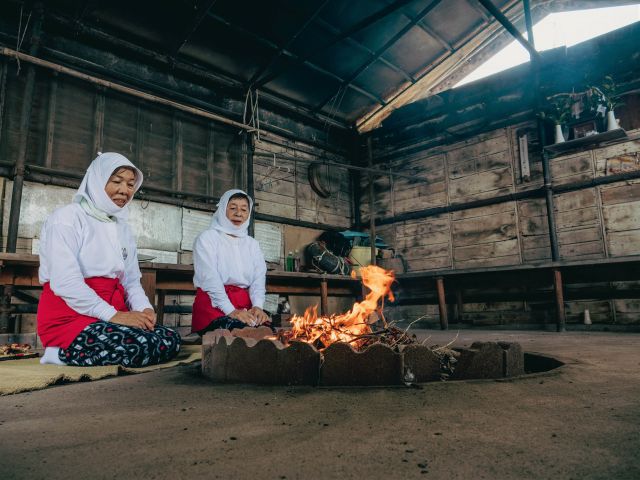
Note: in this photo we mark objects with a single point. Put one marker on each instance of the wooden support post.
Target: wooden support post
(442, 304)
(324, 298)
(459, 306)
(551, 222)
(372, 216)
(560, 314)
(211, 157)
(177, 153)
(248, 147)
(5, 309)
(51, 120)
(140, 138)
(19, 172)
(148, 282)
(98, 121)
(4, 66)
(160, 307)
(356, 193)
(528, 22)
(25, 116)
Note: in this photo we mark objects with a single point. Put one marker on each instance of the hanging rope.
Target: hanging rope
(251, 114)
(20, 37)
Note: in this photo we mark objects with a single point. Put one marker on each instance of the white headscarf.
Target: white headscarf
(94, 181)
(220, 221)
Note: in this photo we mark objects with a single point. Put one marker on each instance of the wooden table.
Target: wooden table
(158, 279)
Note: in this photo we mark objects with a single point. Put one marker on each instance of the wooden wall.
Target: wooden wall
(593, 222)
(281, 184)
(72, 120)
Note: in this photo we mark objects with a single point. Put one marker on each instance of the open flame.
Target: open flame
(351, 327)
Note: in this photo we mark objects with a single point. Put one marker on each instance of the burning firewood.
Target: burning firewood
(352, 327)
(356, 327)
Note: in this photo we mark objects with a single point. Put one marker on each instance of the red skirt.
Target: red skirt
(59, 324)
(204, 312)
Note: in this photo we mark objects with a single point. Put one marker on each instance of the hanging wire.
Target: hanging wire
(289, 172)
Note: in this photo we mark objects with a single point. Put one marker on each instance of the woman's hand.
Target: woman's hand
(143, 320)
(151, 315)
(260, 315)
(244, 315)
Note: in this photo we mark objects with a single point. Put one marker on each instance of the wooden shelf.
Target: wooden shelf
(563, 147)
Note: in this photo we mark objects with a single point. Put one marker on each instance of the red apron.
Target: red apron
(59, 324)
(204, 313)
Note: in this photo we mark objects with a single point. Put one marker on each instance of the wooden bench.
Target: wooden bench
(544, 281)
(19, 272)
(163, 278)
(560, 281)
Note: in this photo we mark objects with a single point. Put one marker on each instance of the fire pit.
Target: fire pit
(358, 348)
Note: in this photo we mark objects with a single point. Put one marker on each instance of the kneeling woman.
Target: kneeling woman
(230, 271)
(93, 310)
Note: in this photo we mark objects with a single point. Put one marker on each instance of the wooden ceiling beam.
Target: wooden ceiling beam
(510, 27)
(364, 23)
(287, 45)
(364, 48)
(202, 8)
(268, 43)
(229, 83)
(403, 94)
(349, 81)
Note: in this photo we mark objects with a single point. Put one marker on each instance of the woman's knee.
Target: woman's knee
(169, 338)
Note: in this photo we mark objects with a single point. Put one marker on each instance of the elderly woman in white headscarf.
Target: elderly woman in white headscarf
(230, 271)
(93, 310)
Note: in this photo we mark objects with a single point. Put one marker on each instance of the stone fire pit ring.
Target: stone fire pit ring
(245, 356)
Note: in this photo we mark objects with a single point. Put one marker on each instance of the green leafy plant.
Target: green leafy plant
(606, 93)
(559, 108)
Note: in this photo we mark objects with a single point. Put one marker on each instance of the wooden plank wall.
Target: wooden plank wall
(595, 222)
(72, 120)
(282, 187)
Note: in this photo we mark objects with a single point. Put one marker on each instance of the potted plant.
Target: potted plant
(607, 95)
(558, 112)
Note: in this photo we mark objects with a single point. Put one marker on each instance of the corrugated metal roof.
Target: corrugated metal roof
(348, 60)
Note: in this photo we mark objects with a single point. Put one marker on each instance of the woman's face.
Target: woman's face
(121, 186)
(238, 211)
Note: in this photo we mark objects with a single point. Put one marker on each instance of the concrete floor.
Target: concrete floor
(581, 421)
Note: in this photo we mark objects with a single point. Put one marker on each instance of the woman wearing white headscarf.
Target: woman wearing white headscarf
(93, 310)
(230, 271)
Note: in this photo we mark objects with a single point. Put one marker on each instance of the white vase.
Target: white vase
(612, 123)
(559, 138)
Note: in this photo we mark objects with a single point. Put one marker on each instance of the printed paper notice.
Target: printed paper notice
(270, 239)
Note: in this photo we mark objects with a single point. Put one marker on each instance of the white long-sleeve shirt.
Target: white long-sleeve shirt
(220, 259)
(75, 246)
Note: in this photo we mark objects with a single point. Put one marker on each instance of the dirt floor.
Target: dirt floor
(581, 421)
